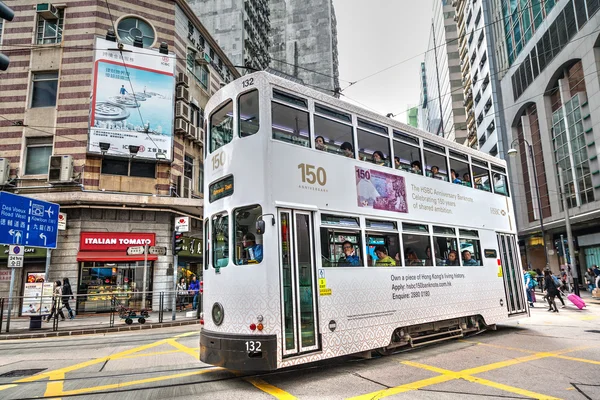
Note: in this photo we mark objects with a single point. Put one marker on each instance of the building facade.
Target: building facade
(465, 67)
(552, 95)
(304, 42)
(240, 27)
(445, 111)
(130, 158)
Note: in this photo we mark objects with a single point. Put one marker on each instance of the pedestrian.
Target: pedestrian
(181, 293)
(67, 294)
(596, 272)
(540, 279)
(56, 299)
(194, 289)
(560, 287)
(530, 285)
(551, 290)
(589, 279)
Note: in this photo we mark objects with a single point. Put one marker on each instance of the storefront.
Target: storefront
(190, 259)
(107, 270)
(34, 266)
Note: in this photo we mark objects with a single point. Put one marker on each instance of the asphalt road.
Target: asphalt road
(546, 356)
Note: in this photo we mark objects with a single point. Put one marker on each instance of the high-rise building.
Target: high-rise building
(412, 117)
(465, 66)
(304, 42)
(445, 111)
(423, 98)
(552, 94)
(240, 27)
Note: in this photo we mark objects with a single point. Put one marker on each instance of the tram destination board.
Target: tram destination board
(221, 188)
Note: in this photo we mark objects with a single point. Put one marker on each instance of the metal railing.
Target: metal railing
(96, 311)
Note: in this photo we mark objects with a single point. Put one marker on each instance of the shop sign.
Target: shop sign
(182, 224)
(113, 241)
(29, 252)
(62, 221)
(192, 248)
(5, 275)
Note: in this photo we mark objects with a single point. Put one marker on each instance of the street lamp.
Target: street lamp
(512, 153)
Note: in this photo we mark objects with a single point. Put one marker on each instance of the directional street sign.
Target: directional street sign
(136, 250)
(28, 221)
(157, 250)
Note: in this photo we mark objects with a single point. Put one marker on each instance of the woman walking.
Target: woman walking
(67, 294)
(551, 289)
(56, 299)
(181, 293)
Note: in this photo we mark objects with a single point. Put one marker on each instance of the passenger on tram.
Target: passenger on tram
(455, 178)
(349, 258)
(452, 260)
(434, 171)
(255, 250)
(347, 149)
(320, 143)
(378, 158)
(468, 260)
(383, 259)
(415, 167)
(397, 164)
(467, 179)
(412, 260)
(429, 260)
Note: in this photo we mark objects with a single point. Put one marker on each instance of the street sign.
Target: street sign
(15, 256)
(62, 221)
(27, 221)
(157, 250)
(182, 224)
(16, 250)
(134, 251)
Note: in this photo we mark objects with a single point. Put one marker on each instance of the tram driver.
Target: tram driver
(253, 250)
(349, 257)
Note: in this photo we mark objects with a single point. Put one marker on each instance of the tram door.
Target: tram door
(298, 301)
(516, 301)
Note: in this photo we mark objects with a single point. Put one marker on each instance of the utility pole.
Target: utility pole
(572, 264)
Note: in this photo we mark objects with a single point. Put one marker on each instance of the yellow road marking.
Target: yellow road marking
(10, 385)
(55, 386)
(270, 389)
(404, 388)
(156, 353)
(499, 347)
(590, 318)
(509, 389)
(186, 334)
(583, 360)
(185, 349)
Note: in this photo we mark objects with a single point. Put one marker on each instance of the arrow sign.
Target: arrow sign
(134, 251)
(43, 237)
(157, 250)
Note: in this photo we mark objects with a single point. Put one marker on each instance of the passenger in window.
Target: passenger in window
(467, 180)
(468, 260)
(455, 178)
(435, 170)
(254, 250)
(412, 260)
(347, 149)
(383, 259)
(320, 143)
(415, 167)
(397, 163)
(349, 257)
(429, 260)
(452, 259)
(378, 158)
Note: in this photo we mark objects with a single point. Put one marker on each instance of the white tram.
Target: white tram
(371, 235)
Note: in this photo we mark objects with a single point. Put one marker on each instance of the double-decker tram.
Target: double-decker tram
(331, 230)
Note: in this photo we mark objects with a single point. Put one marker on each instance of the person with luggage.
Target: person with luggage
(56, 299)
(552, 291)
(67, 294)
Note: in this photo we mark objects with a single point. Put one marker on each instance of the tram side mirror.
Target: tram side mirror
(260, 226)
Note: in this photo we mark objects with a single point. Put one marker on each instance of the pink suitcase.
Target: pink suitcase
(573, 298)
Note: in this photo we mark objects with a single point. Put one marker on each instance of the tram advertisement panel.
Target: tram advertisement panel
(381, 191)
(132, 101)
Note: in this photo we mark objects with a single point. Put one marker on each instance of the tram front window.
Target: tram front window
(248, 244)
(221, 126)
(220, 240)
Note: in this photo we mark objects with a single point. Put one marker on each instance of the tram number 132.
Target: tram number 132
(312, 174)
(253, 347)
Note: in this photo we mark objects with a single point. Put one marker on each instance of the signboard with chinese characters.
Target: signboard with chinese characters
(62, 221)
(182, 224)
(28, 221)
(132, 101)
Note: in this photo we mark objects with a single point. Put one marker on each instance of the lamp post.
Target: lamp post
(513, 152)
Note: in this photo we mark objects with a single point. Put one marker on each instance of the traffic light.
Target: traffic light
(7, 14)
(177, 242)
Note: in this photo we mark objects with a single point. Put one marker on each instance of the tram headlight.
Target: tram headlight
(218, 313)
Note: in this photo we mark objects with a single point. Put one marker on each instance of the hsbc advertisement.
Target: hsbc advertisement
(132, 101)
(112, 241)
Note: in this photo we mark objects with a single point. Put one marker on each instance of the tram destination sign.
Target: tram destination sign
(221, 188)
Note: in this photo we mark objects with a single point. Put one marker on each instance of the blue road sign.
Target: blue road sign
(28, 221)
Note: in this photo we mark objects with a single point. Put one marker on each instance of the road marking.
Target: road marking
(270, 389)
(583, 360)
(156, 353)
(185, 349)
(590, 318)
(54, 388)
(509, 389)
(10, 385)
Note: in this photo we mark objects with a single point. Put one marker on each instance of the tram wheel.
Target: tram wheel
(384, 351)
(128, 321)
(142, 320)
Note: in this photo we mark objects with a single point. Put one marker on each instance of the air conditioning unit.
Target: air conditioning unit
(181, 125)
(182, 93)
(60, 169)
(200, 135)
(47, 11)
(183, 79)
(182, 110)
(4, 171)
(193, 132)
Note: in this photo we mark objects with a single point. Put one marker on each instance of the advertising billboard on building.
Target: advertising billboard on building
(132, 101)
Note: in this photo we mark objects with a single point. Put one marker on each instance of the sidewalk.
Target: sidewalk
(584, 294)
(91, 324)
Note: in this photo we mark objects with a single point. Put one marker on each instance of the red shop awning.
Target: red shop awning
(112, 256)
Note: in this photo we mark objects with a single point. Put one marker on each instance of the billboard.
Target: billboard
(132, 101)
(380, 191)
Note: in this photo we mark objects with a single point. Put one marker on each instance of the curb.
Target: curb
(87, 331)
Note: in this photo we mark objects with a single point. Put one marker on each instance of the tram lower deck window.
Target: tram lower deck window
(340, 248)
(248, 244)
(470, 248)
(383, 249)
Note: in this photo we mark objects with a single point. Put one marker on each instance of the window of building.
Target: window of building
(373, 148)
(340, 243)
(1, 30)
(416, 242)
(44, 90)
(248, 247)
(50, 30)
(130, 28)
(290, 125)
(221, 126)
(196, 115)
(126, 167)
(445, 246)
(248, 114)
(142, 169)
(38, 155)
(188, 166)
(332, 136)
(115, 167)
(198, 70)
(470, 248)
(200, 178)
(220, 240)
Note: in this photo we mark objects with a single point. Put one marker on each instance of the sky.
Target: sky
(374, 35)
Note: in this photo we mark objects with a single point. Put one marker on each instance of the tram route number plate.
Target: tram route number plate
(253, 346)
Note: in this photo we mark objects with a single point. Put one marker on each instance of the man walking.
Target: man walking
(194, 289)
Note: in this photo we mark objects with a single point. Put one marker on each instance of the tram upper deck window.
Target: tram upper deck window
(220, 240)
(248, 113)
(500, 183)
(248, 244)
(481, 175)
(290, 125)
(435, 161)
(373, 148)
(330, 135)
(459, 168)
(416, 241)
(445, 246)
(407, 154)
(221, 126)
(470, 247)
